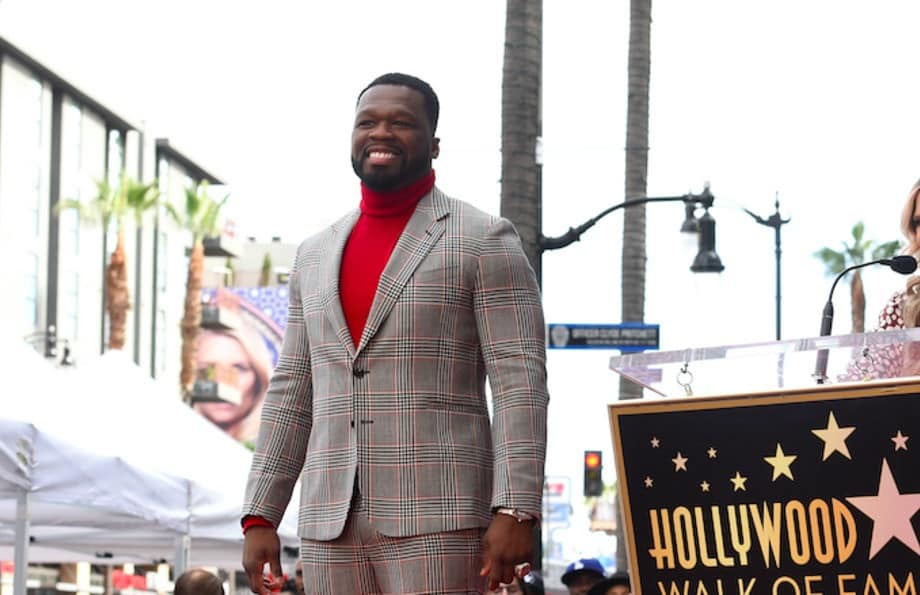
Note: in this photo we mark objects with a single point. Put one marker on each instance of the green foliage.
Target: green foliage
(265, 275)
(129, 198)
(200, 213)
(857, 252)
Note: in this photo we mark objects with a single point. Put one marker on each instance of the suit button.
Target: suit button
(359, 373)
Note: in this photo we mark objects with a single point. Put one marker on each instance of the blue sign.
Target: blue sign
(627, 336)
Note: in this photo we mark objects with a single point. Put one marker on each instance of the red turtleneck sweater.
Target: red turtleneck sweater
(383, 218)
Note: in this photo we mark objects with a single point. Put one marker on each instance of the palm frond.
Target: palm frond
(886, 249)
(834, 261)
(858, 231)
(192, 202)
(140, 198)
(173, 213)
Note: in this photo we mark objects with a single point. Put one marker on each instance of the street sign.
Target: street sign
(558, 488)
(557, 500)
(627, 336)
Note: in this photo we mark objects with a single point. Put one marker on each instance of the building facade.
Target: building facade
(56, 142)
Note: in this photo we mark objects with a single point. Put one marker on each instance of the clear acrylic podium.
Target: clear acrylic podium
(768, 366)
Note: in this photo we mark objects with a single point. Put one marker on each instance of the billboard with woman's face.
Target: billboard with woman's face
(250, 350)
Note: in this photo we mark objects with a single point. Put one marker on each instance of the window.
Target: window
(33, 122)
(115, 162)
(160, 355)
(30, 289)
(71, 174)
(162, 258)
(70, 300)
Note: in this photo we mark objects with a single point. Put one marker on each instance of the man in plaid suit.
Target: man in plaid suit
(399, 312)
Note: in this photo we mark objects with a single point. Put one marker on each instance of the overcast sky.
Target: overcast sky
(816, 101)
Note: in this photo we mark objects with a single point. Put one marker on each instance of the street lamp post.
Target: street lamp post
(776, 222)
(706, 261)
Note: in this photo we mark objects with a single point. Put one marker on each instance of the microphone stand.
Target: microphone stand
(900, 264)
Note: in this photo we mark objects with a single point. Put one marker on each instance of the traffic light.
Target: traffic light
(594, 485)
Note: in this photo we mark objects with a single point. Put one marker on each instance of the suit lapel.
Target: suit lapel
(332, 303)
(422, 231)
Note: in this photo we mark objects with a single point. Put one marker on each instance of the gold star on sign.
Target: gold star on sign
(781, 463)
(900, 441)
(680, 462)
(834, 438)
(649, 482)
(738, 481)
(712, 452)
(655, 442)
(704, 486)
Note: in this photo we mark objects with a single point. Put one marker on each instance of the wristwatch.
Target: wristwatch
(519, 515)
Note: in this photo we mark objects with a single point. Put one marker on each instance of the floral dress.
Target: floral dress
(885, 361)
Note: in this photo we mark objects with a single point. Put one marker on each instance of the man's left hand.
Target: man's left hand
(506, 544)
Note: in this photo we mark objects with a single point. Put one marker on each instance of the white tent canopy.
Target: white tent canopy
(148, 424)
(49, 483)
(129, 472)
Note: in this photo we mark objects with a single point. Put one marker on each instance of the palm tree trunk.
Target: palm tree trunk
(117, 295)
(634, 254)
(191, 318)
(521, 81)
(857, 303)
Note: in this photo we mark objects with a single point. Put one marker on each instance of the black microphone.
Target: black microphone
(904, 264)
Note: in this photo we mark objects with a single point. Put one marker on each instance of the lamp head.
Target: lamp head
(707, 260)
(691, 224)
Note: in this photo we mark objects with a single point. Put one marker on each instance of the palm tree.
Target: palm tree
(521, 80)
(632, 286)
(850, 255)
(199, 217)
(129, 198)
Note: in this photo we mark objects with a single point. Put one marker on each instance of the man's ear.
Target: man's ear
(435, 147)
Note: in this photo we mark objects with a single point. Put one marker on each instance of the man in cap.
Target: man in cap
(617, 584)
(581, 575)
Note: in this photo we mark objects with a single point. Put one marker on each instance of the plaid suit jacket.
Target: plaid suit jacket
(404, 414)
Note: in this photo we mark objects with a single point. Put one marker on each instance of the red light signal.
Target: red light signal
(592, 459)
(594, 485)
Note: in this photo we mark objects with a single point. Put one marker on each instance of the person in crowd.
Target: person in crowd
(198, 582)
(616, 584)
(515, 587)
(533, 584)
(298, 577)
(901, 311)
(581, 575)
(244, 351)
(400, 312)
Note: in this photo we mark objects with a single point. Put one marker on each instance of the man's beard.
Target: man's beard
(408, 172)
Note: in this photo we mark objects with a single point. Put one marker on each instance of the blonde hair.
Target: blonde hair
(910, 308)
(261, 361)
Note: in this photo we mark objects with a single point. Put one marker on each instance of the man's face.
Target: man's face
(582, 583)
(392, 144)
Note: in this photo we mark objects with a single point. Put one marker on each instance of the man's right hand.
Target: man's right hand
(261, 545)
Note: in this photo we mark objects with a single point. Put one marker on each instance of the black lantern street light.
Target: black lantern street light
(706, 261)
(776, 222)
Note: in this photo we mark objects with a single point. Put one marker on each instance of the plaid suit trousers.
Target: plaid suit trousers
(364, 562)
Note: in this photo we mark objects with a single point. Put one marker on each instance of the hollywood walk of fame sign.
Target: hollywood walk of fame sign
(807, 492)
